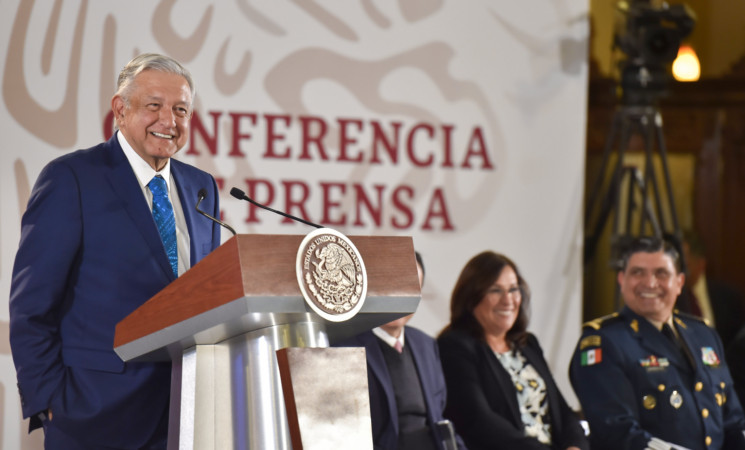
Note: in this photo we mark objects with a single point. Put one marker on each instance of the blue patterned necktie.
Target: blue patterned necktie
(164, 219)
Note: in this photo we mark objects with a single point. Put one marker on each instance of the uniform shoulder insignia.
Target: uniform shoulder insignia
(691, 318)
(600, 322)
(590, 341)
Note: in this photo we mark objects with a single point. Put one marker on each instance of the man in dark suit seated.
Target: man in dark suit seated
(719, 304)
(407, 388)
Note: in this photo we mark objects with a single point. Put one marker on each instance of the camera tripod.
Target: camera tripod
(642, 200)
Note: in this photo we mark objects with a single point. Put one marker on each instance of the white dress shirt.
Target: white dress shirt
(144, 174)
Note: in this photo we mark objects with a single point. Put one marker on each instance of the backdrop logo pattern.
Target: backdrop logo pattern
(449, 122)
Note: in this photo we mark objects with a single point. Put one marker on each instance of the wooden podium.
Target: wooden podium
(221, 322)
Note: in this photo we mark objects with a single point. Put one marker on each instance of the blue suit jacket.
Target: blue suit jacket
(639, 385)
(383, 410)
(89, 255)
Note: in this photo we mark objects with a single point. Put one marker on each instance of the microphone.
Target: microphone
(202, 194)
(240, 195)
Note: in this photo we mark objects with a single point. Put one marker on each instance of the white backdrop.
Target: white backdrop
(461, 124)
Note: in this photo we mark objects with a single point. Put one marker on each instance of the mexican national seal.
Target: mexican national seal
(331, 274)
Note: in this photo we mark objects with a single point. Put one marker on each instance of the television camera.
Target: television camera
(649, 35)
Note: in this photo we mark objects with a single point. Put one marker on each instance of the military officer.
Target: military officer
(651, 379)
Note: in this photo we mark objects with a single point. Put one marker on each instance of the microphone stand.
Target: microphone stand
(202, 194)
(240, 195)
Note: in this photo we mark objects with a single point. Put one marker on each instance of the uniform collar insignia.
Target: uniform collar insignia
(634, 325)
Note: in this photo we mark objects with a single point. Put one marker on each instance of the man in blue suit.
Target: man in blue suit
(91, 252)
(406, 385)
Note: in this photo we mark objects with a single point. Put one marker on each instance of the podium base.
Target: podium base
(229, 394)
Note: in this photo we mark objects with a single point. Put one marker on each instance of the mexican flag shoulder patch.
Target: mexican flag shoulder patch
(593, 356)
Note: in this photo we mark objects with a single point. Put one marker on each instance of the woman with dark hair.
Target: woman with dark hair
(500, 392)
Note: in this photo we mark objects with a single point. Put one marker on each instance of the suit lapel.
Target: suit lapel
(125, 185)
(506, 386)
(657, 343)
(534, 359)
(690, 341)
(378, 367)
(417, 354)
(188, 198)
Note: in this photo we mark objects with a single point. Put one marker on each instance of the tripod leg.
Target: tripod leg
(677, 233)
(610, 198)
(650, 179)
(647, 210)
(617, 119)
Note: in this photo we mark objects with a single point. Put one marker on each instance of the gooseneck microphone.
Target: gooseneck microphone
(240, 195)
(202, 194)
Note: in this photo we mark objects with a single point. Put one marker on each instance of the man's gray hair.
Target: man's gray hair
(150, 61)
